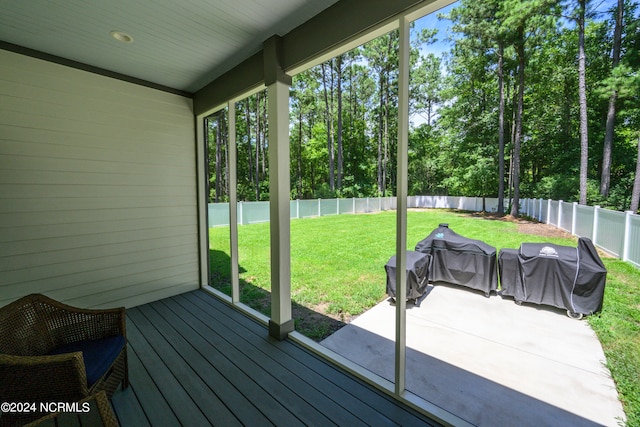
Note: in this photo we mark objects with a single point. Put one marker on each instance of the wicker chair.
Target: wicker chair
(53, 352)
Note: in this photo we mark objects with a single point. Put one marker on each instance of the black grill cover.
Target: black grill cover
(459, 260)
(417, 271)
(560, 276)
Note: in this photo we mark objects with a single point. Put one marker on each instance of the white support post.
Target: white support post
(298, 208)
(548, 211)
(596, 220)
(319, 209)
(354, 204)
(337, 206)
(240, 213)
(573, 218)
(281, 322)
(203, 205)
(278, 83)
(401, 213)
(627, 231)
(233, 202)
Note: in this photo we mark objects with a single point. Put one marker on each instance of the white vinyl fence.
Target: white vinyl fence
(615, 232)
(253, 212)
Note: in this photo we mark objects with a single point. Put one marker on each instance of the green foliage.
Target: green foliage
(618, 329)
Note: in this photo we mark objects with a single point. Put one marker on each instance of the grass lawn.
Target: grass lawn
(337, 272)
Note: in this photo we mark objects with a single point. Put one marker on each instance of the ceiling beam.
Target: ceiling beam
(332, 28)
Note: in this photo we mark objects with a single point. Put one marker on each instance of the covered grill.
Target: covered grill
(560, 276)
(459, 260)
(417, 271)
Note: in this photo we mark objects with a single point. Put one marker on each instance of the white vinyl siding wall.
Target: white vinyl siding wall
(98, 191)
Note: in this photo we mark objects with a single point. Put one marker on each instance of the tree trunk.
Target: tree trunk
(380, 125)
(263, 153)
(249, 151)
(635, 194)
(582, 92)
(329, 122)
(501, 128)
(299, 166)
(605, 180)
(218, 159)
(385, 138)
(515, 207)
(258, 135)
(339, 94)
(225, 152)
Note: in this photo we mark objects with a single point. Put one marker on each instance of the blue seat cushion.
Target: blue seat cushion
(98, 354)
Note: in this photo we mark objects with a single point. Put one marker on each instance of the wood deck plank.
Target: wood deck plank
(153, 404)
(236, 368)
(194, 360)
(198, 391)
(186, 411)
(378, 404)
(278, 383)
(212, 366)
(127, 406)
(345, 409)
(369, 403)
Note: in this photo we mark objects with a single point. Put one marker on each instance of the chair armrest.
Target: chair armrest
(53, 378)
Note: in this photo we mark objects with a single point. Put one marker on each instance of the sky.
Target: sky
(432, 21)
(442, 25)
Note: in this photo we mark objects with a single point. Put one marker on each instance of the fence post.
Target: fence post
(240, 213)
(367, 208)
(540, 210)
(559, 213)
(532, 208)
(379, 203)
(319, 211)
(596, 210)
(354, 205)
(548, 211)
(298, 208)
(627, 231)
(573, 218)
(531, 205)
(337, 206)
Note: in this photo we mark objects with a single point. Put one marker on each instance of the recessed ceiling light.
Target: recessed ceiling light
(121, 37)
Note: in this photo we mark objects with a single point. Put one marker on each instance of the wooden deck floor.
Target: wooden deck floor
(194, 361)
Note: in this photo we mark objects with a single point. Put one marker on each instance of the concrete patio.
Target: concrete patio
(490, 361)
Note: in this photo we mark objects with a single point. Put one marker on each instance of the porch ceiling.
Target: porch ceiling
(180, 44)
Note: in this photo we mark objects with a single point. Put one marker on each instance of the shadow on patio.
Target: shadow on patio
(490, 361)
